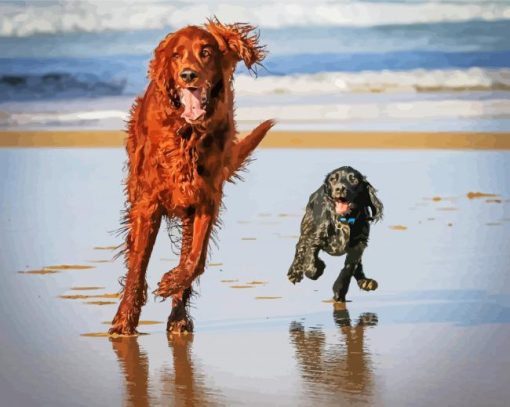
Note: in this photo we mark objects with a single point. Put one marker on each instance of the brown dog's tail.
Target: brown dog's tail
(242, 149)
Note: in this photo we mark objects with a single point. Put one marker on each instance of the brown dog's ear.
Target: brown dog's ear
(238, 42)
(160, 69)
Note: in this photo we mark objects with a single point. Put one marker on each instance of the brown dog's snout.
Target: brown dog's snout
(188, 75)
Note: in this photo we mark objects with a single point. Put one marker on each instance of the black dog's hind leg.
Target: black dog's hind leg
(352, 267)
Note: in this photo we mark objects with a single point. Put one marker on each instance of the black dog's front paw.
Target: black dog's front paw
(315, 269)
(294, 276)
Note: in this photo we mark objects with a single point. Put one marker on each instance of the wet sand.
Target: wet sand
(437, 331)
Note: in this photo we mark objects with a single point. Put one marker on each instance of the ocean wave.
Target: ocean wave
(286, 114)
(98, 16)
(56, 85)
(418, 80)
(338, 112)
(53, 85)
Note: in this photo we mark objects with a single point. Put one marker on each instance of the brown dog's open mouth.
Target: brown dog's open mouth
(342, 206)
(194, 100)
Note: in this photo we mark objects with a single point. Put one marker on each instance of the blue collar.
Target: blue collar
(343, 219)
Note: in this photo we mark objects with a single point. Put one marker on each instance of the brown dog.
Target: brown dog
(182, 147)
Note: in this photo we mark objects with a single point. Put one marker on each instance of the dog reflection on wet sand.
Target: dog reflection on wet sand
(344, 367)
(182, 385)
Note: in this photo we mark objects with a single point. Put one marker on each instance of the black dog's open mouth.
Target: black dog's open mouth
(194, 100)
(342, 206)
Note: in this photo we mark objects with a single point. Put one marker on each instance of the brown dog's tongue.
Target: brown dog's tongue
(192, 106)
(341, 207)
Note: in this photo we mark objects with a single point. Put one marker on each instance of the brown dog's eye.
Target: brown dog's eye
(205, 53)
(176, 56)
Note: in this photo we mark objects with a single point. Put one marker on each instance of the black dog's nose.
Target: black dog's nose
(188, 75)
(340, 189)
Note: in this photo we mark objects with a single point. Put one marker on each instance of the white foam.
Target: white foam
(419, 80)
(378, 111)
(97, 16)
(60, 118)
(451, 109)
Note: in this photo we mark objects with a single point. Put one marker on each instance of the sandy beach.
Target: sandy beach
(281, 139)
(435, 332)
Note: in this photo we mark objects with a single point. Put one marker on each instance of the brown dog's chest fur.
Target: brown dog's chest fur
(183, 165)
(190, 170)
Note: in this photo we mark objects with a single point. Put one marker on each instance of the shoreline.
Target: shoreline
(279, 139)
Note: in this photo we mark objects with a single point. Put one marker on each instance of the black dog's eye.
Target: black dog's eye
(353, 180)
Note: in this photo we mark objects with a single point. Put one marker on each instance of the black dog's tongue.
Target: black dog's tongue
(341, 208)
(190, 99)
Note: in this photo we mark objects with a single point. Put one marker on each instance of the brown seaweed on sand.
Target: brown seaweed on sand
(398, 227)
(100, 302)
(146, 322)
(83, 296)
(69, 267)
(475, 195)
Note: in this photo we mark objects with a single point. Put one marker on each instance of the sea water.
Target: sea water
(363, 65)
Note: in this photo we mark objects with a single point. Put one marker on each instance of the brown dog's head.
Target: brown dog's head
(351, 192)
(193, 65)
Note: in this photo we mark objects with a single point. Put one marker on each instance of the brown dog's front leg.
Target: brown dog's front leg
(143, 224)
(202, 227)
(179, 320)
(165, 286)
(192, 262)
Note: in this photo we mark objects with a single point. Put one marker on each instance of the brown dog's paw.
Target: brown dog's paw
(122, 329)
(368, 284)
(179, 327)
(169, 285)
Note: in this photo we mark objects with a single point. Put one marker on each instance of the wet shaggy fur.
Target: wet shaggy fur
(321, 229)
(177, 166)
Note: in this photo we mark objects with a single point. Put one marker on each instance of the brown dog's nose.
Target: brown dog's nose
(188, 75)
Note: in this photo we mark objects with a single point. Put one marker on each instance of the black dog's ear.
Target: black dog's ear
(375, 204)
(318, 203)
(326, 185)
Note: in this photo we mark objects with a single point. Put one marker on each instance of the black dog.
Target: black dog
(337, 220)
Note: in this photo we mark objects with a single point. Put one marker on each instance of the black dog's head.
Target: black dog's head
(350, 193)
